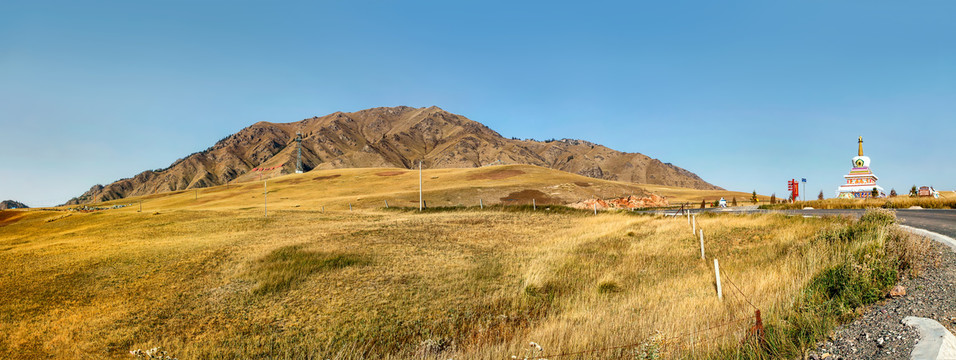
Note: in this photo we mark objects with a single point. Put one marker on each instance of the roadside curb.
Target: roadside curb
(940, 238)
(935, 342)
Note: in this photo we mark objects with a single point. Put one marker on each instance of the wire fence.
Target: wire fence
(675, 342)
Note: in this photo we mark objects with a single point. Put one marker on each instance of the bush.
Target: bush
(608, 287)
(879, 216)
(877, 255)
(910, 253)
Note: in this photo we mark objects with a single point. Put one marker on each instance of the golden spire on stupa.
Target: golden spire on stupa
(860, 152)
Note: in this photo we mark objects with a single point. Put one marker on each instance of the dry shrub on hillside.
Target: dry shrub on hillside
(912, 252)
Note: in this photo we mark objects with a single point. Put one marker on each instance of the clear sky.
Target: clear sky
(747, 94)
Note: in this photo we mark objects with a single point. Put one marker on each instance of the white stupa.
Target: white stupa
(860, 182)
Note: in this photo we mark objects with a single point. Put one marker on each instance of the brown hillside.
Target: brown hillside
(388, 137)
(11, 204)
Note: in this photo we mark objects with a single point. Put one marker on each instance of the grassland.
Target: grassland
(679, 195)
(947, 200)
(371, 188)
(212, 278)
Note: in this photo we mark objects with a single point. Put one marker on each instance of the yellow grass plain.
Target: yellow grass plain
(212, 278)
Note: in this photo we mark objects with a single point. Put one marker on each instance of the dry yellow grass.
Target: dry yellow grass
(212, 278)
(679, 195)
(370, 188)
(945, 201)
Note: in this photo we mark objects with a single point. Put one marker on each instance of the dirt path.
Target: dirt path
(880, 332)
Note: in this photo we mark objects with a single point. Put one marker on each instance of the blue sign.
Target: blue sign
(803, 180)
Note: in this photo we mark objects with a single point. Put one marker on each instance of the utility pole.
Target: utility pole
(420, 198)
(804, 181)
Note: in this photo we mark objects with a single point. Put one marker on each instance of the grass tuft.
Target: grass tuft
(285, 267)
(608, 287)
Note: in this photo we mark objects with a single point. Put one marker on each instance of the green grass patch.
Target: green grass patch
(287, 266)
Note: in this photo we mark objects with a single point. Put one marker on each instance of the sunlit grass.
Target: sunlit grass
(947, 201)
(218, 280)
(379, 284)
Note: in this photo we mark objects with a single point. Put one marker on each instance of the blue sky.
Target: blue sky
(747, 94)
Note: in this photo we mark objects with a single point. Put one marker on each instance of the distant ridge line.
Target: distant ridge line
(387, 137)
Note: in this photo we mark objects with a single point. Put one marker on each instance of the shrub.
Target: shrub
(608, 287)
(862, 274)
(879, 217)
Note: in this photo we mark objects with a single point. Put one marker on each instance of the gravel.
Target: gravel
(880, 334)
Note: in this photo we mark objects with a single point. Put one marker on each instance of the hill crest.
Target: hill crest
(387, 137)
(11, 204)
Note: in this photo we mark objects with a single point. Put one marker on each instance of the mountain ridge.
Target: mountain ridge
(12, 204)
(386, 137)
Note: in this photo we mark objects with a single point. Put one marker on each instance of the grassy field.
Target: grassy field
(213, 278)
(947, 200)
(693, 196)
(371, 188)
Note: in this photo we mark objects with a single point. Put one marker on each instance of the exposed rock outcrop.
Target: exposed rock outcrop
(627, 202)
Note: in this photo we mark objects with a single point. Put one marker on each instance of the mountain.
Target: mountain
(387, 137)
(10, 204)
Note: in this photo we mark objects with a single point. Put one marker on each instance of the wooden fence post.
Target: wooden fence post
(481, 204)
(702, 244)
(720, 294)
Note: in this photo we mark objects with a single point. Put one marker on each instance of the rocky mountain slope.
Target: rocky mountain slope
(10, 204)
(387, 137)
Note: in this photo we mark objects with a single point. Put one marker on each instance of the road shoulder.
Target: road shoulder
(880, 332)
